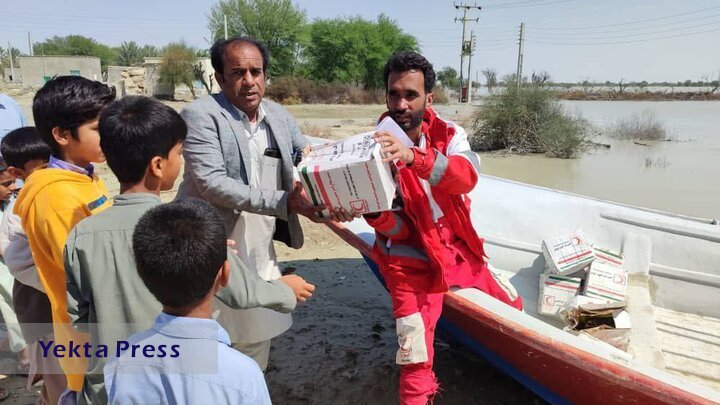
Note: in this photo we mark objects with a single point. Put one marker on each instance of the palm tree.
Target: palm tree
(130, 54)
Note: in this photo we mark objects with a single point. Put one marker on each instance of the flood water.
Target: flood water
(680, 176)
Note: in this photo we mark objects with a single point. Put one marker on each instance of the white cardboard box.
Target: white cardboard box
(348, 174)
(609, 257)
(567, 254)
(555, 291)
(605, 281)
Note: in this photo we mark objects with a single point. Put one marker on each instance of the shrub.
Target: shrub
(528, 119)
(176, 66)
(644, 126)
(298, 89)
(440, 95)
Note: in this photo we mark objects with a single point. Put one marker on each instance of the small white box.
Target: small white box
(567, 254)
(348, 174)
(609, 257)
(605, 281)
(555, 291)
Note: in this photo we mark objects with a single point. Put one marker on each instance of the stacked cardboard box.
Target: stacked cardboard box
(606, 278)
(573, 266)
(555, 291)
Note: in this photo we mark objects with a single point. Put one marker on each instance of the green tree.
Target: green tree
(177, 66)
(354, 50)
(130, 54)
(76, 45)
(149, 51)
(276, 23)
(449, 77)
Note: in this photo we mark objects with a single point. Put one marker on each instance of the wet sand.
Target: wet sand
(341, 348)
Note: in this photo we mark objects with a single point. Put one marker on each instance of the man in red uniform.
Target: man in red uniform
(429, 245)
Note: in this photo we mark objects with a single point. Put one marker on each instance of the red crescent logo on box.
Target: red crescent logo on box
(549, 300)
(359, 206)
(619, 279)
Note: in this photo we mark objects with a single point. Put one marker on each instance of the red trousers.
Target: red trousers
(417, 312)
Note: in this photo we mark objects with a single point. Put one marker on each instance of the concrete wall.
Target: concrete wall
(154, 88)
(34, 69)
(17, 78)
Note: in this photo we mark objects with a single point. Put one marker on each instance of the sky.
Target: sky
(573, 40)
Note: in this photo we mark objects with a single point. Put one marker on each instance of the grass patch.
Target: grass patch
(644, 126)
(528, 119)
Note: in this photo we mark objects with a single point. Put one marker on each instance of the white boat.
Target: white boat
(673, 298)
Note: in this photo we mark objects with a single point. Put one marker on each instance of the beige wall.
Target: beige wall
(35, 68)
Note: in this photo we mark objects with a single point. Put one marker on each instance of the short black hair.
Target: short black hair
(135, 129)
(68, 102)
(3, 165)
(179, 248)
(217, 52)
(404, 61)
(22, 145)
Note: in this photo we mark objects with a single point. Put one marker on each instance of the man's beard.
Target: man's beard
(414, 121)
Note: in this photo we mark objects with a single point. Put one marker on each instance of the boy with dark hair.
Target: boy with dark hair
(26, 152)
(181, 257)
(53, 200)
(142, 140)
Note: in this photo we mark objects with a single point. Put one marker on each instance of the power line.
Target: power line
(629, 30)
(522, 4)
(628, 36)
(623, 42)
(627, 22)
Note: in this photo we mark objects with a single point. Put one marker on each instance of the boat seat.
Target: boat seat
(644, 344)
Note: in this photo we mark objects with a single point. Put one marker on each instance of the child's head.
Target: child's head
(181, 252)
(7, 182)
(66, 110)
(142, 141)
(24, 151)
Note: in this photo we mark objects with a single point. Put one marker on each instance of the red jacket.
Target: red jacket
(415, 237)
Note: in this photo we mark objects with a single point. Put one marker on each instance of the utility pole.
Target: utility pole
(466, 46)
(30, 51)
(469, 75)
(12, 66)
(225, 18)
(520, 55)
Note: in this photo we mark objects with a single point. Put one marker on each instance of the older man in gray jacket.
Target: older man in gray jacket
(239, 156)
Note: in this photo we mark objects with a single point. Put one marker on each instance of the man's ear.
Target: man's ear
(223, 277)
(15, 172)
(430, 98)
(156, 166)
(219, 78)
(61, 136)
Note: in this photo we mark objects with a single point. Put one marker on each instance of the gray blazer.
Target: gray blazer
(217, 163)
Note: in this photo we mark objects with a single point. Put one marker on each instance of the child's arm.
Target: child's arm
(16, 252)
(77, 305)
(456, 173)
(246, 289)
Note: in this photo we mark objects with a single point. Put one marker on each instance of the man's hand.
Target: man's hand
(298, 203)
(231, 245)
(301, 288)
(393, 149)
(341, 215)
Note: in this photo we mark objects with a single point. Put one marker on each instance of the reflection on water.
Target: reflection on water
(679, 176)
